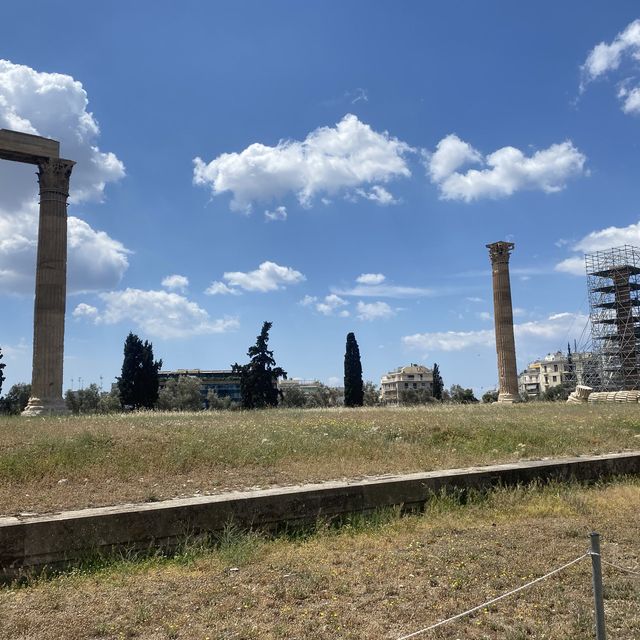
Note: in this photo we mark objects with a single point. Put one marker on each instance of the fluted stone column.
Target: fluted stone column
(499, 252)
(51, 288)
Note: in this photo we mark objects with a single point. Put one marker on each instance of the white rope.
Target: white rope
(635, 573)
(486, 604)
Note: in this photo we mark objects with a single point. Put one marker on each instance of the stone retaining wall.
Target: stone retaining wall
(55, 540)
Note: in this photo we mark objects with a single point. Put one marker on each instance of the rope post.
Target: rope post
(598, 599)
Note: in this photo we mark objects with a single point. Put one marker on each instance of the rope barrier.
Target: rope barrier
(635, 573)
(489, 602)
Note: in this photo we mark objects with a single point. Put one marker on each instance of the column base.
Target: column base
(45, 407)
(507, 398)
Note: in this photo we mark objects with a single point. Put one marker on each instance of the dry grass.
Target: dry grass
(369, 580)
(57, 463)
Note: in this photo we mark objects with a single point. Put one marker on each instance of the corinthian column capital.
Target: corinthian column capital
(54, 174)
(500, 252)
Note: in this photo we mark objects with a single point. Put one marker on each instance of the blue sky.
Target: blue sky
(327, 166)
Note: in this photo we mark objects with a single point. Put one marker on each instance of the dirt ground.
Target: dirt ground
(376, 579)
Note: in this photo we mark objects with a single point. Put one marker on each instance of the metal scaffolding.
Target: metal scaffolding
(613, 280)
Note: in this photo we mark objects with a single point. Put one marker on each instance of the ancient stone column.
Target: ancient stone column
(51, 288)
(499, 252)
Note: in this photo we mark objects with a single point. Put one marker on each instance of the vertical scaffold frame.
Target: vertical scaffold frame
(613, 280)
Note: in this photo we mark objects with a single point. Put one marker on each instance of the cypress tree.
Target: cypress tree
(259, 377)
(150, 380)
(2, 366)
(438, 384)
(138, 384)
(353, 387)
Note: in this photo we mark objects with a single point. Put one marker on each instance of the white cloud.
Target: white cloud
(630, 100)
(279, 214)
(573, 265)
(450, 155)
(536, 334)
(377, 194)
(374, 310)
(607, 57)
(506, 171)
(217, 288)
(17, 352)
(330, 159)
(54, 105)
(159, 314)
(598, 241)
(95, 260)
(474, 299)
(370, 285)
(84, 310)
(449, 340)
(269, 276)
(370, 278)
(609, 237)
(384, 291)
(331, 304)
(554, 328)
(358, 95)
(485, 315)
(175, 282)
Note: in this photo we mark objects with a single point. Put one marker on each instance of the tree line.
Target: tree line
(138, 386)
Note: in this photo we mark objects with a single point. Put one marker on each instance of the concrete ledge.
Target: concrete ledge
(55, 540)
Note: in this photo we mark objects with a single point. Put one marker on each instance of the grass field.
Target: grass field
(50, 464)
(377, 579)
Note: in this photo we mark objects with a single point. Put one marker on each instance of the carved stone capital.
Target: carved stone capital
(500, 252)
(54, 174)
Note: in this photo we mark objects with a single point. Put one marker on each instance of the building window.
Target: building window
(406, 385)
(555, 367)
(555, 378)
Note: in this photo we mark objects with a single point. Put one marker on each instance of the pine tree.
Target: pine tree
(138, 384)
(353, 387)
(2, 366)
(438, 384)
(259, 377)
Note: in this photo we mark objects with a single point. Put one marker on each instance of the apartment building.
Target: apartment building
(555, 369)
(413, 377)
(529, 380)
